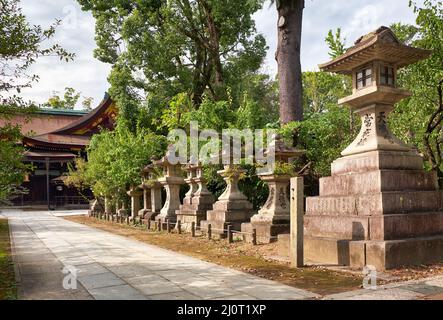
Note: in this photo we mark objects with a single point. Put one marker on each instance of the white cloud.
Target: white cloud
(89, 75)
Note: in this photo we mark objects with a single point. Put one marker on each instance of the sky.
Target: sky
(89, 76)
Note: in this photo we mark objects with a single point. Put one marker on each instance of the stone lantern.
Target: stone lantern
(171, 181)
(197, 200)
(146, 187)
(135, 193)
(274, 217)
(154, 194)
(379, 207)
(232, 207)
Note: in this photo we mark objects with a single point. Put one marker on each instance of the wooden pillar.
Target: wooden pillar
(47, 183)
(297, 213)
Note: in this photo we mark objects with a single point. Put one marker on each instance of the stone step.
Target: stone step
(396, 253)
(325, 250)
(376, 204)
(378, 227)
(378, 181)
(377, 160)
(403, 226)
(337, 227)
(232, 205)
(380, 254)
(233, 215)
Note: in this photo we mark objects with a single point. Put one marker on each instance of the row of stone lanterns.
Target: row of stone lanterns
(199, 207)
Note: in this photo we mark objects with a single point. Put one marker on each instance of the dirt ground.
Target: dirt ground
(257, 260)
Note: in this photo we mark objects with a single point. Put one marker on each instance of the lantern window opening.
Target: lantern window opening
(364, 77)
(387, 76)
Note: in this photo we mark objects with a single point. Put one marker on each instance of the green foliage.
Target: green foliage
(322, 90)
(411, 117)
(258, 102)
(335, 43)
(115, 160)
(323, 136)
(12, 169)
(20, 47)
(177, 114)
(77, 177)
(217, 115)
(160, 49)
(284, 169)
(68, 101)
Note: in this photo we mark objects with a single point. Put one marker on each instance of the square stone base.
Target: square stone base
(382, 255)
(216, 227)
(396, 253)
(220, 219)
(187, 217)
(267, 232)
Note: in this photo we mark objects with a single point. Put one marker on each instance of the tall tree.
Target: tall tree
(162, 48)
(290, 16)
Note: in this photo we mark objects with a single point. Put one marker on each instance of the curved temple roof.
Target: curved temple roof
(75, 136)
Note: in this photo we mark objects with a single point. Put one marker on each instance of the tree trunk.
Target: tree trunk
(290, 14)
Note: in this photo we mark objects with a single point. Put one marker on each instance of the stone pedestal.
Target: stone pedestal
(198, 199)
(122, 212)
(146, 211)
(152, 195)
(156, 200)
(232, 207)
(274, 217)
(135, 195)
(378, 208)
(95, 207)
(171, 181)
(108, 209)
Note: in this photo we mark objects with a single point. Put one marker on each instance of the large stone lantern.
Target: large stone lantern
(379, 207)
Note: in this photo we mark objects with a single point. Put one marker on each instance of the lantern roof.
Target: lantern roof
(381, 44)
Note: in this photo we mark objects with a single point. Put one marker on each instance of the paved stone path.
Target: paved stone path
(114, 267)
(430, 288)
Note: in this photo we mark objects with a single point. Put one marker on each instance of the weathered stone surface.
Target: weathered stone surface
(377, 160)
(266, 232)
(394, 253)
(340, 227)
(357, 254)
(326, 250)
(376, 203)
(232, 207)
(283, 245)
(198, 199)
(403, 226)
(135, 195)
(378, 181)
